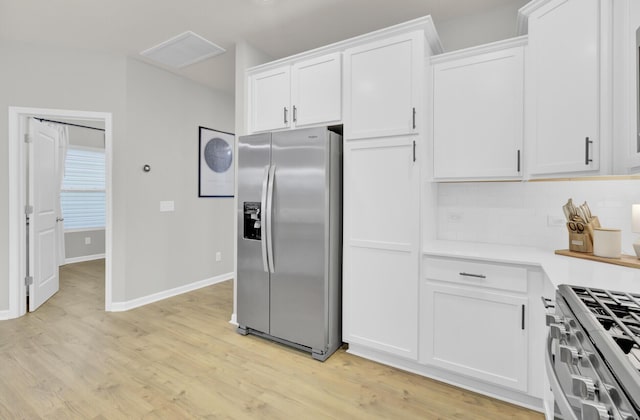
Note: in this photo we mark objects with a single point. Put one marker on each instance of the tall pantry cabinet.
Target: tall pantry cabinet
(382, 134)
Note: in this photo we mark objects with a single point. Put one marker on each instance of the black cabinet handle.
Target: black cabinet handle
(414, 150)
(295, 114)
(414, 118)
(518, 160)
(285, 115)
(523, 317)
(479, 276)
(587, 142)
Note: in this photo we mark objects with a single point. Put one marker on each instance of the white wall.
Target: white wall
(471, 30)
(155, 120)
(34, 76)
(517, 213)
(75, 246)
(167, 250)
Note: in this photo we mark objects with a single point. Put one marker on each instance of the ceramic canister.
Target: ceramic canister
(607, 243)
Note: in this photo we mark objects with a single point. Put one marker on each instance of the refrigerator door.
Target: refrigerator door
(254, 155)
(300, 231)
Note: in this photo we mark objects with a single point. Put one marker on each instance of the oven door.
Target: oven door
(563, 409)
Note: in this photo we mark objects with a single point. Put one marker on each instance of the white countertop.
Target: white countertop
(559, 269)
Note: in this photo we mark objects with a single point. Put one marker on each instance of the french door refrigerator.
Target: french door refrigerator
(290, 238)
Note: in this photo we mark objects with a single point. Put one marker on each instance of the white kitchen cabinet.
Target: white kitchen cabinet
(304, 93)
(317, 90)
(568, 92)
(381, 245)
(478, 112)
(270, 99)
(383, 87)
(474, 320)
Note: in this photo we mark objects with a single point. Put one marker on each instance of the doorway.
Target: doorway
(18, 256)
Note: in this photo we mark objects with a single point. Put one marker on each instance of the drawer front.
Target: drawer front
(474, 273)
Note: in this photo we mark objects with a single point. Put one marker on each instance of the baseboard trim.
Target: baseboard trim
(83, 258)
(165, 294)
(4, 315)
(234, 319)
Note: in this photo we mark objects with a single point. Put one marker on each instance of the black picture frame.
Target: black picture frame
(216, 163)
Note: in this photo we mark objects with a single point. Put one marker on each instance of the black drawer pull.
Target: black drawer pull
(478, 276)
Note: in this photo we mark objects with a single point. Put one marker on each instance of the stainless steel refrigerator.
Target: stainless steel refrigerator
(290, 238)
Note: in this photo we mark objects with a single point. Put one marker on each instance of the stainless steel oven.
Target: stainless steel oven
(593, 354)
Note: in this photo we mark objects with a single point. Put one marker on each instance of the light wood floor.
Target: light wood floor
(180, 359)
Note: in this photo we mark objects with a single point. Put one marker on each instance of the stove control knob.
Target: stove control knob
(583, 386)
(594, 411)
(569, 355)
(558, 331)
(552, 319)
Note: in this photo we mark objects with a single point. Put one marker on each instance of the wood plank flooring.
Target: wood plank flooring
(181, 359)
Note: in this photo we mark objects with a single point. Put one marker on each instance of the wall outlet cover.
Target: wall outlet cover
(167, 206)
(553, 220)
(218, 256)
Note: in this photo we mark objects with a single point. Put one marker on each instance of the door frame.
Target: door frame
(18, 127)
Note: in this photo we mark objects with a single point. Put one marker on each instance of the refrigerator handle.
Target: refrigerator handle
(269, 214)
(263, 223)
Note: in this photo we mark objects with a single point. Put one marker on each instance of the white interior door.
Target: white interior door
(43, 196)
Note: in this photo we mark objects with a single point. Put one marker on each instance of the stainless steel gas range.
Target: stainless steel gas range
(593, 354)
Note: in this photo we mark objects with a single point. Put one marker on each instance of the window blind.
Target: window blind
(82, 197)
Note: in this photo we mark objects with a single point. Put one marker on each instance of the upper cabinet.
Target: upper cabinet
(270, 103)
(383, 86)
(317, 90)
(304, 93)
(568, 87)
(478, 112)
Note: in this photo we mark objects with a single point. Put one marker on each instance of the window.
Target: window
(83, 189)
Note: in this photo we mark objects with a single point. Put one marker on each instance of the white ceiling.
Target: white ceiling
(277, 27)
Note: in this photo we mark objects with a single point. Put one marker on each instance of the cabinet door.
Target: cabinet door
(477, 116)
(381, 243)
(317, 90)
(475, 333)
(564, 91)
(382, 87)
(270, 98)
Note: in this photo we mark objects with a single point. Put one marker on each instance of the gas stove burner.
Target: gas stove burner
(611, 321)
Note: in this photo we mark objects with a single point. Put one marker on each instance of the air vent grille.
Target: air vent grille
(183, 50)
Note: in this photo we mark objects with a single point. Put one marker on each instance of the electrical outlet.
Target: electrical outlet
(218, 256)
(454, 216)
(553, 220)
(87, 240)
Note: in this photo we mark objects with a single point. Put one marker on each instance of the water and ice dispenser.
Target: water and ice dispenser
(252, 220)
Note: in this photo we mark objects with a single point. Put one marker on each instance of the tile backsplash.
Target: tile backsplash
(530, 213)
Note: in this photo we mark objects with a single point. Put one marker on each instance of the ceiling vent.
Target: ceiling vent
(183, 50)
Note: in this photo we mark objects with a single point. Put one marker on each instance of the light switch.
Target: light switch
(167, 206)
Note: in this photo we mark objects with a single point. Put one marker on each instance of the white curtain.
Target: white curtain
(63, 142)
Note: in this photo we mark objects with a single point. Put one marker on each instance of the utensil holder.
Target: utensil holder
(583, 241)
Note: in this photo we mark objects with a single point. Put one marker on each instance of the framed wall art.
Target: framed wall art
(216, 163)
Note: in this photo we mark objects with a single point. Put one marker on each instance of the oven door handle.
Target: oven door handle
(558, 394)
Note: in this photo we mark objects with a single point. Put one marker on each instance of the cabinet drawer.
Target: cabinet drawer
(496, 276)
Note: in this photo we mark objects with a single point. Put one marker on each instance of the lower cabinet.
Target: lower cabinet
(474, 320)
(476, 333)
(473, 323)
